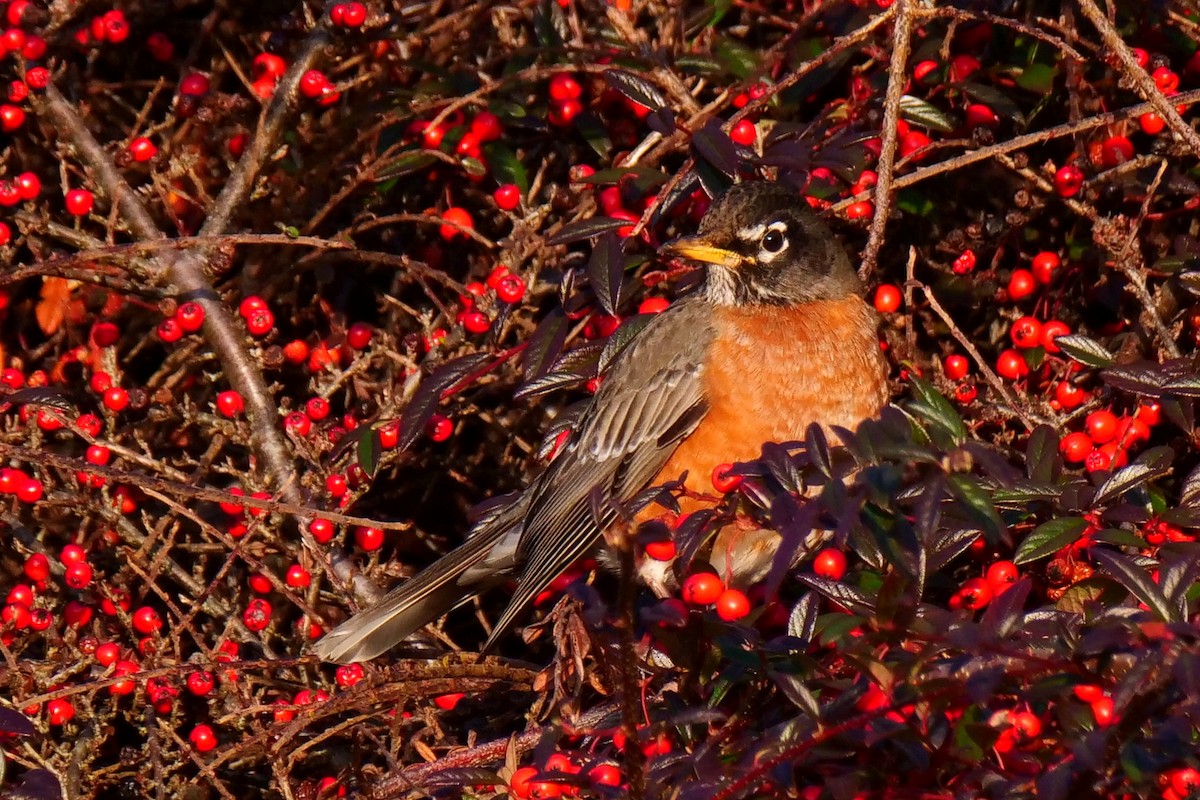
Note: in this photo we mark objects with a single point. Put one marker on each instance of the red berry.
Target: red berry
(322, 529)
(203, 738)
(190, 316)
(229, 404)
(1026, 332)
(314, 84)
(59, 711)
(1069, 395)
(722, 479)
(702, 589)
(359, 335)
(956, 367)
(1021, 284)
(146, 620)
(507, 197)
(975, 593)
(455, 218)
(116, 399)
(1104, 712)
(654, 305)
(1002, 574)
(1051, 331)
(447, 702)
(257, 615)
(79, 202)
(1166, 80)
(1045, 266)
(830, 563)
(1075, 447)
(965, 263)
(486, 126)
(887, 298)
(476, 322)
(1010, 364)
(169, 330)
(317, 408)
(912, 142)
(1151, 123)
(37, 567)
(29, 185)
(78, 575)
(1115, 151)
(980, 116)
(194, 84)
(925, 69)
(260, 322)
(510, 288)
(564, 87)
(11, 117)
(368, 539)
(732, 604)
(1150, 413)
(744, 133)
(863, 209)
(297, 423)
(1101, 426)
(298, 577)
(439, 428)
(1068, 181)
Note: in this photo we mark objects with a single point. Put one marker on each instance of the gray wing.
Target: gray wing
(651, 399)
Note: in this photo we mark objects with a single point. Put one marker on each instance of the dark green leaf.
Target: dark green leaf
(635, 88)
(977, 504)
(584, 229)
(1041, 454)
(735, 58)
(1085, 350)
(405, 164)
(1136, 579)
(370, 451)
(1037, 78)
(545, 344)
(506, 167)
(606, 272)
(1149, 465)
(935, 409)
(914, 109)
(1049, 538)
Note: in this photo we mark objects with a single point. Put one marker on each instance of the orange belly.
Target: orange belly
(774, 371)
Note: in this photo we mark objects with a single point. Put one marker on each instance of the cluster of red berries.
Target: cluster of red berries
(502, 285)
(1106, 439)
(975, 593)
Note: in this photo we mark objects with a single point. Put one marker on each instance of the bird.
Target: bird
(776, 337)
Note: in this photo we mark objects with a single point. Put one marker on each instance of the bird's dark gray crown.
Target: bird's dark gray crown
(790, 255)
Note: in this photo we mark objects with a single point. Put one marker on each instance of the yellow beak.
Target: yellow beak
(697, 249)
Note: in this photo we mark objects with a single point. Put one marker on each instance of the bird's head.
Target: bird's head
(764, 246)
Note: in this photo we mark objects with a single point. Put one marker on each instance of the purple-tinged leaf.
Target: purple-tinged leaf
(1049, 538)
(36, 784)
(1185, 386)
(1189, 493)
(1134, 577)
(1004, 614)
(795, 522)
(545, 344)
(635, 88)
(1041, 454)
(850, 597)
(1178, 571)
(40, 396)
(816, 447)
(1085, 350)
(462, 777)
(1148, 466)
(606, 272)
(550, 382)
(716, 149)
(14, 723)
(584, 229)
(1146, 379)
(802, 621)
(429, 394)
(661, 121)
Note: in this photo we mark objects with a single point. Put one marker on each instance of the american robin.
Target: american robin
(778, 337)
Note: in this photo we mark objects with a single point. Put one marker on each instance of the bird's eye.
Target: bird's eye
(773, 241)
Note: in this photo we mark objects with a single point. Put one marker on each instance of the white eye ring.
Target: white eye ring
(773, 241)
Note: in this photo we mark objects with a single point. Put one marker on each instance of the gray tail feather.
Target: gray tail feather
(413, 604)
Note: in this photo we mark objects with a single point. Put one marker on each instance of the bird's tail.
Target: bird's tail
(425, 597)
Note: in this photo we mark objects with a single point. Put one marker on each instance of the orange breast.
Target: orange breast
(772, 372)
